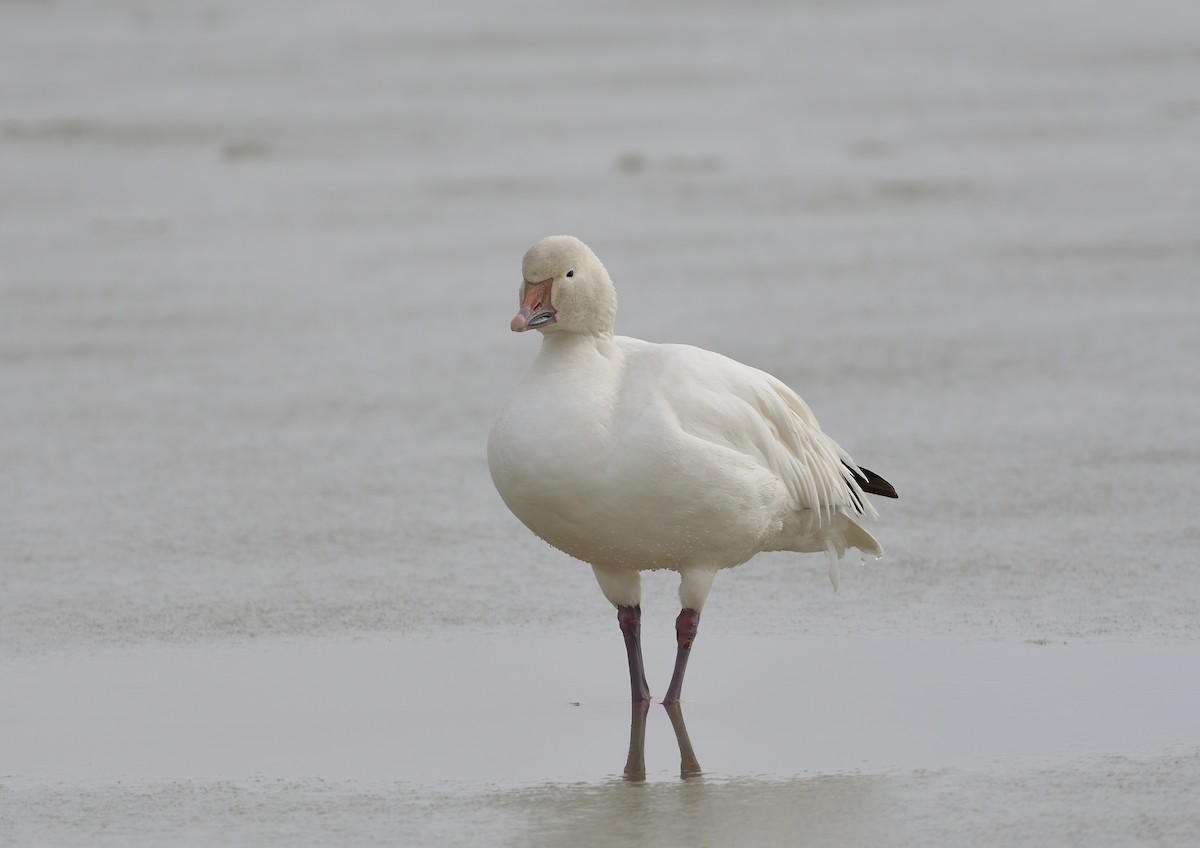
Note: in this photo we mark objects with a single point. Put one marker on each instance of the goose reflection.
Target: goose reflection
(635, 763)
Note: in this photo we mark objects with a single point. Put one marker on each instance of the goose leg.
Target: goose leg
(630, 619)
(685, 633)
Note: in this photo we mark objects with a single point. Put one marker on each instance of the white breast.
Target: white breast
(629, 454)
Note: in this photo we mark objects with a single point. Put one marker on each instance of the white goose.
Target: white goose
(634, 456)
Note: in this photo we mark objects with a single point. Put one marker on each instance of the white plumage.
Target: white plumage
(632, 456)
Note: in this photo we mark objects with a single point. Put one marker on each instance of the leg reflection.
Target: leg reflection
(689, 766)
(635, 763)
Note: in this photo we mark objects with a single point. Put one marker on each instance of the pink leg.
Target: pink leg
(685, 633)
(630, 619)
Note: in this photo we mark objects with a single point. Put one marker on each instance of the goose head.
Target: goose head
(565, 289)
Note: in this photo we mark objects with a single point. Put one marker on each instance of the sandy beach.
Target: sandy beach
(257, 264)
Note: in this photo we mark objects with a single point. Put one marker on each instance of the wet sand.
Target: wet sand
(256, 268)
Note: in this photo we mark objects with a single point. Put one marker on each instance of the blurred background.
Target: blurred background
(257, 264)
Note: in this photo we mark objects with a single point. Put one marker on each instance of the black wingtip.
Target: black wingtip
(872, 483)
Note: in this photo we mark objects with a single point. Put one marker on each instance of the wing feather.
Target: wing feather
(817, 470)
(751, 412)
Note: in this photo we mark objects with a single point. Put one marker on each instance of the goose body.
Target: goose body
(633, 456)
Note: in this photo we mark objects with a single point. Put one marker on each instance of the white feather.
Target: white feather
(632, 455)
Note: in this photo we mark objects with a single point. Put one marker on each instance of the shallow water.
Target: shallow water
(256, 268)
(526, 740)
(507, 713)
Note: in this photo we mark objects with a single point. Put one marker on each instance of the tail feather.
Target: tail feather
(854, 536)
(858, 537)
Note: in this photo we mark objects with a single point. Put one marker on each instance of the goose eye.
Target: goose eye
(571, 273)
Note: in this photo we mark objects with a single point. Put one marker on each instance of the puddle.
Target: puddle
(522, 711)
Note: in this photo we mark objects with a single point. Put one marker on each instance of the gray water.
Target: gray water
(256, 268)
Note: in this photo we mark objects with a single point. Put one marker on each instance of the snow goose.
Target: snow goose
(634, 456)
